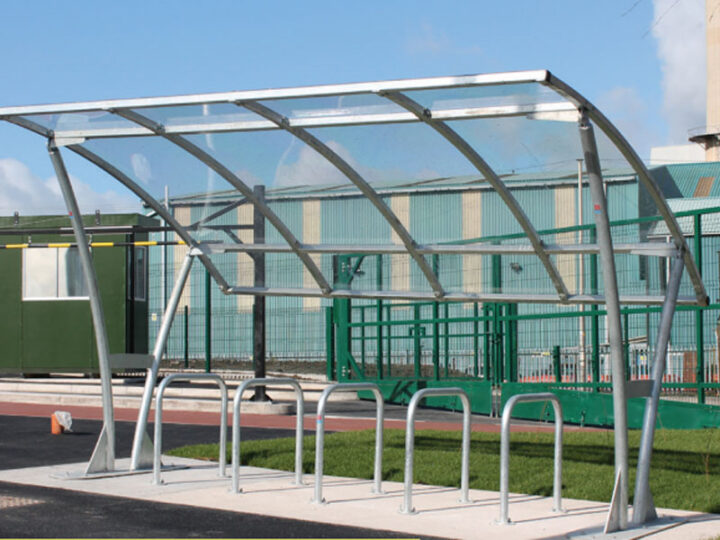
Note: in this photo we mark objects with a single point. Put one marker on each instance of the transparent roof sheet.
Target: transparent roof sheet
(512, 137)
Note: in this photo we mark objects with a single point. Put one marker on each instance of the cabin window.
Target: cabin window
(52, 274)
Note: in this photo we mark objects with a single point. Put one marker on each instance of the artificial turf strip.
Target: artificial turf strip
(685, 470)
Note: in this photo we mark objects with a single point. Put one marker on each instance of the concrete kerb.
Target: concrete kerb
(69, 390)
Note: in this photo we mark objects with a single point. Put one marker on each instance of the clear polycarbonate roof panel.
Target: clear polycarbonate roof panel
(525, 131)
(348, 108)
(155, 164)
(485, 97)
(83, 121)
(207, 117)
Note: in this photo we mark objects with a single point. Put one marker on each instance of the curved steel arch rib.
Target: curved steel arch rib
(498, 185)
(367, 190)
(238, 184)
(643, 174)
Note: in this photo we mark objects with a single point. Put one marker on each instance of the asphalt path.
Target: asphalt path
(38, 512)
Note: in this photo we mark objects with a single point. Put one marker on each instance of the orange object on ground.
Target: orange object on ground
(55, 427)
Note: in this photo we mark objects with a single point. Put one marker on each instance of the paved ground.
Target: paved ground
(195, 502)
(37, 512)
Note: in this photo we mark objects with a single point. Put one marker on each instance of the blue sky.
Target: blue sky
(636, 59)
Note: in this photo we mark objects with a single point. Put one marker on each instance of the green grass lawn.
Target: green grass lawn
(685, 469)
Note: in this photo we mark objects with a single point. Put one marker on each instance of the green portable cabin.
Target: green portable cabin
(46, 324)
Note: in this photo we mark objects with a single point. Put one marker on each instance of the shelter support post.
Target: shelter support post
(643, 506)
(259, 301)
(103, 457)
(617, 518)
(142, 451)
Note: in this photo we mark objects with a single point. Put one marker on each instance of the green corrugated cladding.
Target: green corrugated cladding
(434, 216)
(57, 335)
(686, 176)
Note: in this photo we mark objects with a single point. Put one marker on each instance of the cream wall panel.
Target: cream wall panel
(311, 233)
(400, 264)
(472, 228)
(565, 198)
(182, 215)
(245, 265)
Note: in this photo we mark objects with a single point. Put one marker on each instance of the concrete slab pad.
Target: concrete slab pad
(351, 502)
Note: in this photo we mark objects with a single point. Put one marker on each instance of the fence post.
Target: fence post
(556, 363)
(699, 315)
(186, 345)
(362, 340)
(626, 344)
(436, 326)
(595, 320)
(208, 322)
(329, 344)
(379, 317)
(417, 341)
(476, 343)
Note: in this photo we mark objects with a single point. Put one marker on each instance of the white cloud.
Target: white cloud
(141, 167)
(428, 40)
(22, 191)
(313, 169)
(627, 110)
(679, 28)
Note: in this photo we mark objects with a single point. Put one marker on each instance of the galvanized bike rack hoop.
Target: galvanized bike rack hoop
(418, 396)
(505, 450)
(320, 434)
(158, 417)
(299, 411)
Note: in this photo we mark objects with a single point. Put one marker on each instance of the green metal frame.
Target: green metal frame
(495, 345)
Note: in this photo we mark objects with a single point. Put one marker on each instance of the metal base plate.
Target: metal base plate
(82, 475)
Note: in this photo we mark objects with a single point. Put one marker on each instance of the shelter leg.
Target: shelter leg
(104, 455)
(643, 507)
(142, 454)
(587, 138)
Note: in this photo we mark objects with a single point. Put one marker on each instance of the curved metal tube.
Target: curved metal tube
(493, 179)
(418, 396)
(158, 418)
(505, 450)
(320, 434)
(636, 163)
(103, 458)
(299, 414)
(205, 158)
(365, 188)
(643, 506)
(151, 377)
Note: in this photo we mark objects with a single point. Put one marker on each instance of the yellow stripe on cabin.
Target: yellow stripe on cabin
(102, 244)
(145, 243)
(60, 245)
(16, 246)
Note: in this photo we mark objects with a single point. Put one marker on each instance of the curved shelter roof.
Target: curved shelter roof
(362, 134)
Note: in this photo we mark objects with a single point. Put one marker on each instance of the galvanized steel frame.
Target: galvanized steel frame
(299, 425)
(417, 397)
(320, 434)
(343, 166)
(103, 457)
(425, 115)
(387, 88)
(505, 450)
(236, 182)
(157, 441)
(393, 91)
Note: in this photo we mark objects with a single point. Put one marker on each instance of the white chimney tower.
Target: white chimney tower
(709, 136)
